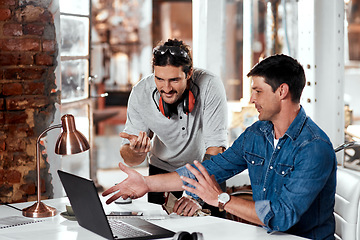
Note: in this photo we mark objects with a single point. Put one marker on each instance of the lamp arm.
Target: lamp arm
(38, 158)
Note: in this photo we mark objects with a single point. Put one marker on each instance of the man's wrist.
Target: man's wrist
(147, 181)
(223, 199)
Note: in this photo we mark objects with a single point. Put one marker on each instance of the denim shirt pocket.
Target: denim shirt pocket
(255, 166)
(283, 173)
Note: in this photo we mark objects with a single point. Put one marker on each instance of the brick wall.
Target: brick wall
(28, 52)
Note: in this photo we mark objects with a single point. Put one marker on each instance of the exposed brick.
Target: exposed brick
(23, 44)
(2, 144)
(29, 14)
(15, 145)
(49, 33)
(49, 45)
(26, 101)
(13, 29)
(2, 106)
(47, 17)
(44, 59)
(23, 73)
(20, 130)
(15, 117)
(15, 59)
(12, 176)
(34, 88)
(5, 14)
(2, 118)
(22, 159)
(2, 174)
(5, 188)
(6, 159)
(34, 29)
(28, 52)
(7, 2)
(29, 188)
(12, 89)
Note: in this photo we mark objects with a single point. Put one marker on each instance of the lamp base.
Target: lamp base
(39, 210)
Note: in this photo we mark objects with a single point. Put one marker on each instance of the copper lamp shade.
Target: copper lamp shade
(69, 142)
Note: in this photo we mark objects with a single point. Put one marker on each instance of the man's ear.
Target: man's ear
(189, 74)
(283, 91)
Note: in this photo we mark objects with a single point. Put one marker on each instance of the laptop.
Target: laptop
(90, 213)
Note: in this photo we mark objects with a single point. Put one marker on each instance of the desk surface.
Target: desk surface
(58, 227)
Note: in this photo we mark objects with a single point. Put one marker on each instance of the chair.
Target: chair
(347, 211)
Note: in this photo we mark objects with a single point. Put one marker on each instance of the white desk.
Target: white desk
(60, 228)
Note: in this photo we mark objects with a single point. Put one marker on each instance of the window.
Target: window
(75, 35)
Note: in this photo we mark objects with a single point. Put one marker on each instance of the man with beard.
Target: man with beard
(176, 115)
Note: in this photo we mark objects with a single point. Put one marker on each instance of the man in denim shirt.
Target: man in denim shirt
(291, 162)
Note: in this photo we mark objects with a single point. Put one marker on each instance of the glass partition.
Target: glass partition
(78, 7)
(74, 85)
(75, 36)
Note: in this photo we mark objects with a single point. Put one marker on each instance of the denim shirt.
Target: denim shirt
(293, 183)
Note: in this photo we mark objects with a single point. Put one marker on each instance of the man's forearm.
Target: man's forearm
(244, 209)
(131, 157)
(164, 182)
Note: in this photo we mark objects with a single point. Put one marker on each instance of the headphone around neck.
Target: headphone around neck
(188, 103)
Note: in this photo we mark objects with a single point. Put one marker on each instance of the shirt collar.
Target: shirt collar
(295, 128)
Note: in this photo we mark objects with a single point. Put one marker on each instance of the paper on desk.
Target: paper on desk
(13, 221)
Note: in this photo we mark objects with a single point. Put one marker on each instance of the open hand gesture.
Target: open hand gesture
(134, 186)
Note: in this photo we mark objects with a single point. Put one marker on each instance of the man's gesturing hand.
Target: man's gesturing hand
(206, 187)
(186, 206)
(134, 186)
(139, 144)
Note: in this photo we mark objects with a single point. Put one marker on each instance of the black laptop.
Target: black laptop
(90, 214)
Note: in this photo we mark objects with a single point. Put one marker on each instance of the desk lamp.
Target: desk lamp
(69, 142)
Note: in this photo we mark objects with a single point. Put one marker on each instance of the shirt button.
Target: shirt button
(264, 189)
(253, 162)
(271, 167)
(180, 117)
(278, 147)
(183, 128)
(282, 172)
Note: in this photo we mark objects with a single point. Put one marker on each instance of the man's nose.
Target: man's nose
(252, 98)
(167, 86)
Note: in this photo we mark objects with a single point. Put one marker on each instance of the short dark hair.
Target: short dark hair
(279, 69)
(182, 59)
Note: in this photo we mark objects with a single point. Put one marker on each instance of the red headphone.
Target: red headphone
(188, 104)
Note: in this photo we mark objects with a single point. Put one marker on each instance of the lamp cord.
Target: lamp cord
(8, 204)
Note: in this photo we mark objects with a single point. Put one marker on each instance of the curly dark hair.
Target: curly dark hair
(174, 52)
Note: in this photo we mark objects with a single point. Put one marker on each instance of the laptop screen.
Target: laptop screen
(90, 213)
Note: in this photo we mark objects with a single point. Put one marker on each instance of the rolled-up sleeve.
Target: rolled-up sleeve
(183, 171)
(264, 213)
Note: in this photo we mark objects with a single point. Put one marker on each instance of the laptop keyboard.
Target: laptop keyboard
(121, 229)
